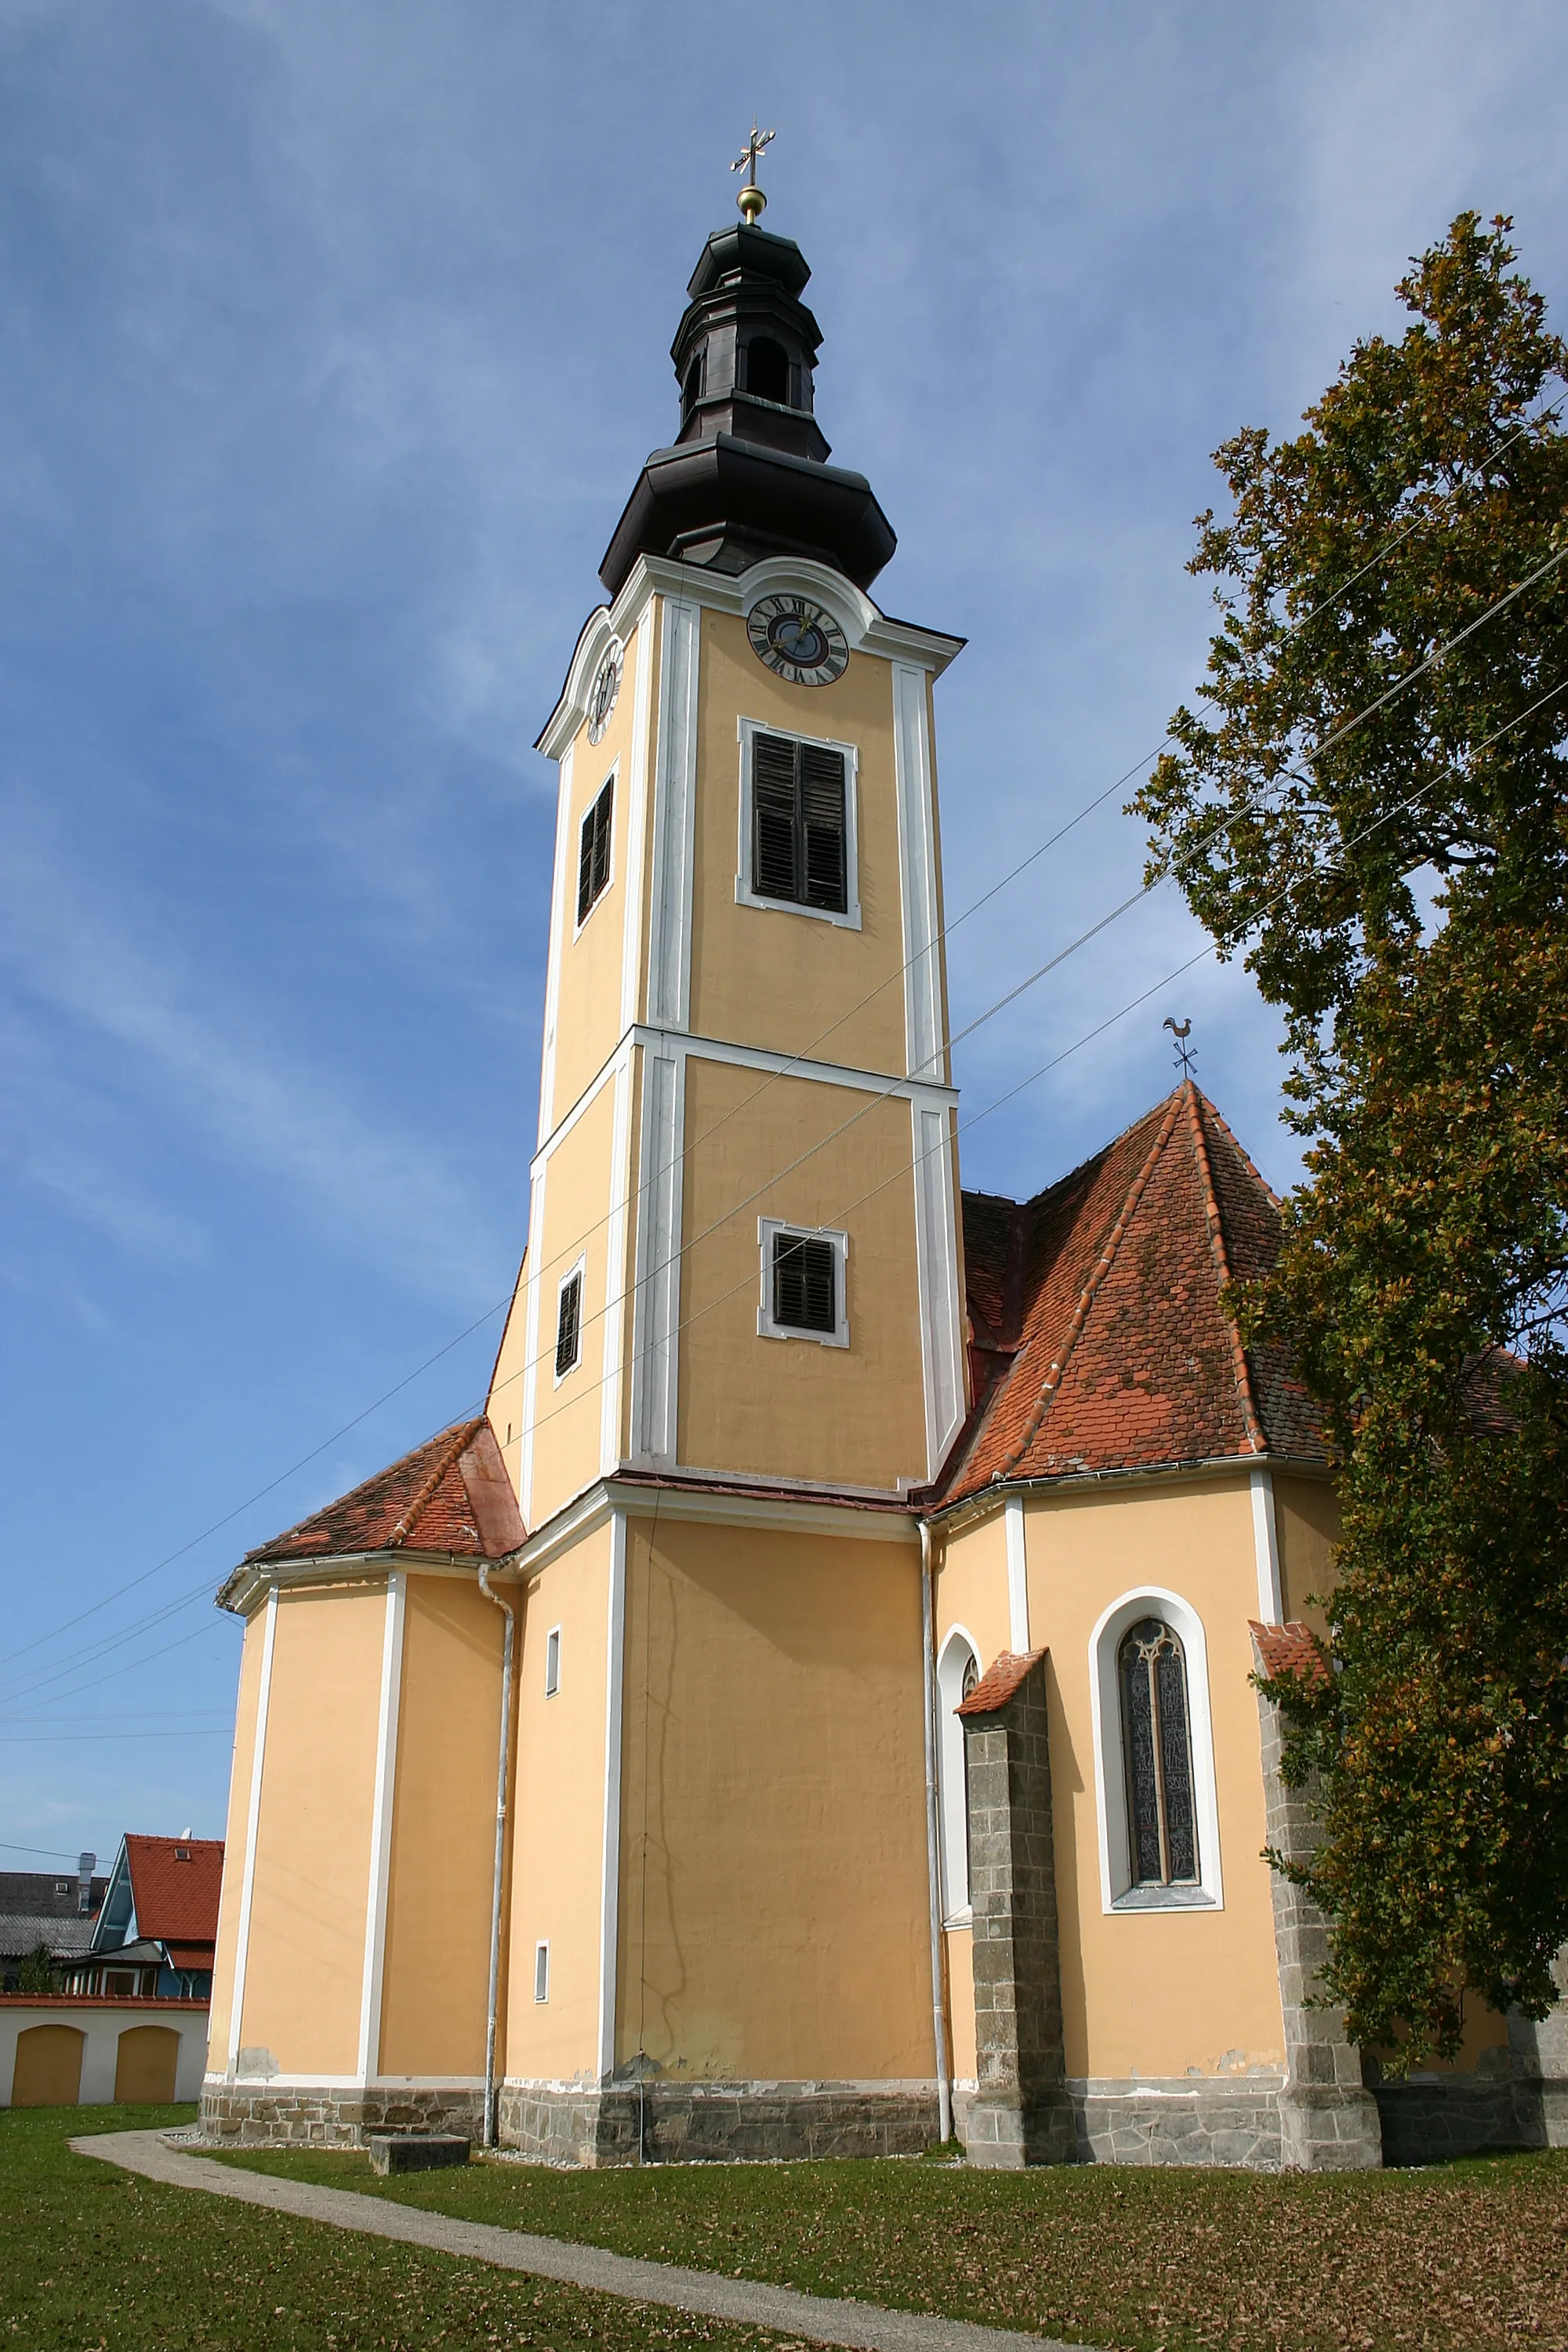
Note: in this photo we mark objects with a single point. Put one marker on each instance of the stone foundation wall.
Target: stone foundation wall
(1149, 2121)
(262, 2115)
(693, 2123)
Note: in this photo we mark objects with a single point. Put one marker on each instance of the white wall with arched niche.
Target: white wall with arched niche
(1119, 1885)
(957, 1672)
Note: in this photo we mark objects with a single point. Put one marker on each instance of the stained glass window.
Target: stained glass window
(1156, 1743)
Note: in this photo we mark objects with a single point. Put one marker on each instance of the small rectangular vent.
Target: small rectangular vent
(805, 1283)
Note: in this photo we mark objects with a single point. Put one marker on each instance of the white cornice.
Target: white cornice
(795, 1513)
(247, 1586)
(867, 629)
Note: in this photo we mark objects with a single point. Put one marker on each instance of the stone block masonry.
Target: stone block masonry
(277, 2115)
(1020, 2112)
(393, 2152)
(663, 2122)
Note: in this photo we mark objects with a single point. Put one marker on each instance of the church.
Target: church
(810, 1711)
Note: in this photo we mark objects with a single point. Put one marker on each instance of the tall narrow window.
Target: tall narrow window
(767, 370)
(593, 850)
(569, 1325)
(957, 1672)
(542, 1972)
(797, 823)
(805, 1283)
(553, 1662)
(1156, 1743)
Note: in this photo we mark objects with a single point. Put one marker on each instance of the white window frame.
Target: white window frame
(1118, 1893)
(553, 1662)
(612, 778)
(767, 1227)
(952, 1781)
(542, 1969)
(579, 1273)
(744, 894)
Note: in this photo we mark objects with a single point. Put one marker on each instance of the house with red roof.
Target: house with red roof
(156, 1928)
(811, 1709)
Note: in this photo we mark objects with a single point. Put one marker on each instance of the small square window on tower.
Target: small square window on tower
(553, 1662)
(797, 846)
(569, 1323)
(804, 1284)
(542, 1972)
(593, 852)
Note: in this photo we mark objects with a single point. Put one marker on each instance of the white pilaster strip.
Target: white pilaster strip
(1017, 1576)
(252, 1824)
(557, 935)
(610, 1397)
(381, 1828)
(530, 1372)
(1266, 1546)
(674, 798)
(610, 1885)
(936, 1259)
(917, 862)
(657, 1312)
(636, 825)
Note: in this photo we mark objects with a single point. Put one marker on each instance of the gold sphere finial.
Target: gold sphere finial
(750, 199)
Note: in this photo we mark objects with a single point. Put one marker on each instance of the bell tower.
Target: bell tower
(742, 1259)
(737, 1341)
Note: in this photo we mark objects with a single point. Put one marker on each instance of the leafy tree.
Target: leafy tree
(1372, 808)
(36, 1974)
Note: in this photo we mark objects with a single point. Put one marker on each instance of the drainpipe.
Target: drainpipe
(503, 1772)
(934, 1857)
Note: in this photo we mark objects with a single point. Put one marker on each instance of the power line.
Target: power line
(771, 1079)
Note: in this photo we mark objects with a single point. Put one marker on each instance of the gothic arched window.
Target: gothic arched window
(1157, 1753)
(957, 1672)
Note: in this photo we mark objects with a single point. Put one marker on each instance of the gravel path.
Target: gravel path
(822, 2319)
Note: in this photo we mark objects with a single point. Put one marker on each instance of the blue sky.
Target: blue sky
(331, 339)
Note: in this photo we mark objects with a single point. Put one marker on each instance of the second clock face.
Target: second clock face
(606, 686)
(797, 639)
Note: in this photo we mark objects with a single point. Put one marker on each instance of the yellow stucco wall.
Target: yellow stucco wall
(557, 1873)
(578, 1188)
(773, 1918)
(1154, 1992)
(1307, 1527)
(509, 1380)
(791, 1407)
(588, 1005)
(235, 1839)
(435, 1971)
(768, 976)
(304, 1972)
(972, 1589)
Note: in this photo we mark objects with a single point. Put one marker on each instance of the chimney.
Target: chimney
(86, 1863)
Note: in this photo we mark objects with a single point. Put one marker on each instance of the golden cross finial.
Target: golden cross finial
(750, 199)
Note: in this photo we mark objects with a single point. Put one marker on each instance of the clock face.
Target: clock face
(798, 640)
(605, 686)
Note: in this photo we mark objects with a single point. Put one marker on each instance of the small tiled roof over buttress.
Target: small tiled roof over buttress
(1099, 1340)
(450, 1495)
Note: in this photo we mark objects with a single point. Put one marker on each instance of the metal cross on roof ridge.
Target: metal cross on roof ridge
(750, 199)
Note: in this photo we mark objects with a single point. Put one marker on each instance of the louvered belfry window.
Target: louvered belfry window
(569, 1327)
(805, 1283)
(797, 823)
(593, 850)
(1157, 1745)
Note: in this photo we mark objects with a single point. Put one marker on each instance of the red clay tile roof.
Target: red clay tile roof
(1096, 1314)
(999, 1682)
(450, 1494)
(176, 1901)
(1289, 1649)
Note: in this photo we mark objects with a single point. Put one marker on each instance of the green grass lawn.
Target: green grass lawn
(1464, 2257)
(94, 2260)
